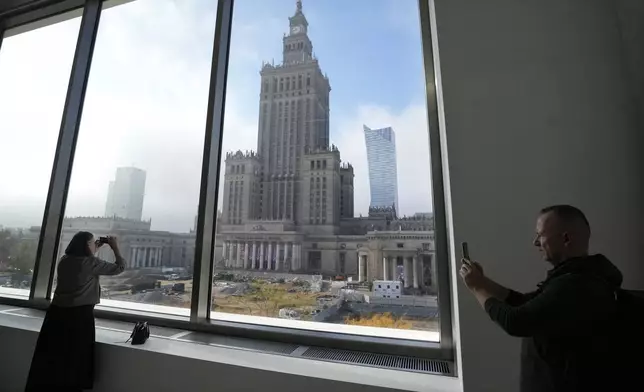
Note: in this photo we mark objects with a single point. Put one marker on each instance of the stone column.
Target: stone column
(131, 260)
(406, 268)
(261, 256)
(415, 271)
(269, 265)
(229, 253)
(161, 256)
(278, 250)
(285, 247)
(360, 268)
(245, 264)
(293, 262)
(223, 249)
(298, 255)
(384, 267)
(254, 260)
(239, 256)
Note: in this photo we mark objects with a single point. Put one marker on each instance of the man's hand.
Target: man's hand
(472, 274)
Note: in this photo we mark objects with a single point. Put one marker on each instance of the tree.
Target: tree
(7, 242)
(382, 320)
(23, 256)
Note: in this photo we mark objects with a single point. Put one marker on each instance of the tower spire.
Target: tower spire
(298, 5)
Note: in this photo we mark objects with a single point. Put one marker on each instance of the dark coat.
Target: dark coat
(568, 326)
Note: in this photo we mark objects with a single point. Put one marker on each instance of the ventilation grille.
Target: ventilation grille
(397, 362)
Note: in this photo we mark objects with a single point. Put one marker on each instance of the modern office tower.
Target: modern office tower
(126, 193)
(383, 177)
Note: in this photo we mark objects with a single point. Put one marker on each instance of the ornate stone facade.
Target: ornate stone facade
(140, 246)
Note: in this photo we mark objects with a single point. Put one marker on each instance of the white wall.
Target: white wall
(540, 109)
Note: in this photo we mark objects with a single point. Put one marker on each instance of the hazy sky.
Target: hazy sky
(146, 100)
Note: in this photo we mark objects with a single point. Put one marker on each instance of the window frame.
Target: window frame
(26, 18)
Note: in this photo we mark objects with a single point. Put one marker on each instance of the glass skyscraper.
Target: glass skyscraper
(381, 155)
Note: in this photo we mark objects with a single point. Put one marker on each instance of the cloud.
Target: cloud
(412, 154)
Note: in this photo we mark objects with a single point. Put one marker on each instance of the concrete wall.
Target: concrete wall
(539, 109)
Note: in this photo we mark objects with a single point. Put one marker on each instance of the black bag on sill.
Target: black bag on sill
(140, 333)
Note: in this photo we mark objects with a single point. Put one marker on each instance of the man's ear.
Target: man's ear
(566, 237)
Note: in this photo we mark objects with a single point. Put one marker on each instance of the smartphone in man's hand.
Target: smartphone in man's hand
(465, 252)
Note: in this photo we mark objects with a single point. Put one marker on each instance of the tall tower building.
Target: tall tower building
(383, 177)
(289, 205)
(293, 121)
(126, 193)
(295, 176)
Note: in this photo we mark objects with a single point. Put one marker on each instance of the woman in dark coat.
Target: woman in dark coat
(64, 355)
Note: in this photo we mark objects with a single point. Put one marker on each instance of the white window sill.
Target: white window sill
(14, 293)
(363, 375)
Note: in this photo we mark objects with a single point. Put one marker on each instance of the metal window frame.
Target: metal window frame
(63, 161)
(200, 317)
(207, 216)
(441, 236)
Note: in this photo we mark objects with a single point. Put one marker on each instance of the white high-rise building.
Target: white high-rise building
(125, 194)
(383, 172)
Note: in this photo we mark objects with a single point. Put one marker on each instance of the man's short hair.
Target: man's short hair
(567, 213)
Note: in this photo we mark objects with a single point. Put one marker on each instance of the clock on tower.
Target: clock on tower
(296, 29)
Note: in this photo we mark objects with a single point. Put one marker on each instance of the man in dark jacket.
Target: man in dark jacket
(568, 323)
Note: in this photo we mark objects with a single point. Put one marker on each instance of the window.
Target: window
(140, 149)
(387, 150)
(34, 74)
(133, 168)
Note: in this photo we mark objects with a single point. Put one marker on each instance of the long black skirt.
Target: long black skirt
(64, 356)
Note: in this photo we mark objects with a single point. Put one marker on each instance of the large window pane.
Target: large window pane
(325, 206)
(138, 161)
(34, 73)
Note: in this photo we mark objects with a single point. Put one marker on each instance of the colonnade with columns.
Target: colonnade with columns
(265, 255)
(145, 256)
(412, 271)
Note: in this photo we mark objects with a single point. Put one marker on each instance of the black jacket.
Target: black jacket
(568, 327)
